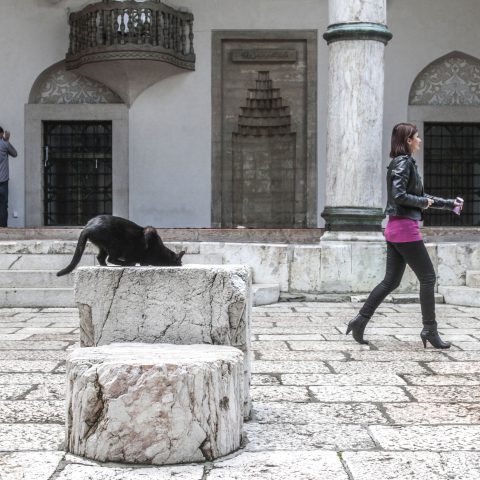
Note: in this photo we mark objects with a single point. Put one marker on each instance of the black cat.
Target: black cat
(125, 243)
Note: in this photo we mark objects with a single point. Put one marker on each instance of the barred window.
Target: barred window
(451, 169)
(77, 171)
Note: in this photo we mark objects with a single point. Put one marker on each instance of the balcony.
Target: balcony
(130, 45)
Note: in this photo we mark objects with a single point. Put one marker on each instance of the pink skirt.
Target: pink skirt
(402, 230)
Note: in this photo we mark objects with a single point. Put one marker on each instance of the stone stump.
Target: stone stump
(154, 404)
(192, 304)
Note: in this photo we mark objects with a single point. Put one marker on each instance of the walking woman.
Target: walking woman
(405, 205)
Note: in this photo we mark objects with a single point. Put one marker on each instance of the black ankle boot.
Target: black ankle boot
(357, 327)
(430, 333)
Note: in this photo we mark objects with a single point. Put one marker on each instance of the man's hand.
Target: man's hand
(430, 203)
(6, 135)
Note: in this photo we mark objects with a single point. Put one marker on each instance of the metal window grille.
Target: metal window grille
(452, 168)
(77, 171)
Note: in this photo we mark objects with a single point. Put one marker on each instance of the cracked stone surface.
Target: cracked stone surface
(427, 427)
(278, 466)
(154, 404)
(181, 305)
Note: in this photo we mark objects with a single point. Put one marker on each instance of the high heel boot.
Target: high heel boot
(357, 327)
(430, 333)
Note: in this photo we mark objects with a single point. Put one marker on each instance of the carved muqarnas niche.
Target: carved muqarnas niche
(450, 80)
(59, 86)
(264, 162)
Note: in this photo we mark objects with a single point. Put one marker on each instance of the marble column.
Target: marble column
(356, 36)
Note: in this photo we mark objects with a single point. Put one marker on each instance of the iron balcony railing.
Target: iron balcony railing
(130, 30)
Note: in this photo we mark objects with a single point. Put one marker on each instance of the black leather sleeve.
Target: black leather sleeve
(400, 176)
(441, 203)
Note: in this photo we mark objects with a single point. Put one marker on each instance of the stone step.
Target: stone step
(37, 297)
(57, 261)
(465, 296)
(34, 279)
(203, 259)
(46, 261)
(473, 278)
(265, 293)
(398, 298)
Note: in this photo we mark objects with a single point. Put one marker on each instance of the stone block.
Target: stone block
(453, 261)
(461, 295)
(305, 268)
(154, 404)
(269, 262)
(180, 305)
(473, 278)
(265, 293)
(351, 266)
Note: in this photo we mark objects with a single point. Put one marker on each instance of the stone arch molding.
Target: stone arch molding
(451, 80)
(55, 85)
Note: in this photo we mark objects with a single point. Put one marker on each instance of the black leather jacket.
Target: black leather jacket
(406, 197)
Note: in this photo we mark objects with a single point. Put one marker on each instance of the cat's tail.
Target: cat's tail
(82, 241)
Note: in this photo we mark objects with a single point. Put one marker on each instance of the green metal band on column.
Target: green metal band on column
(357, 31)
(353, 219)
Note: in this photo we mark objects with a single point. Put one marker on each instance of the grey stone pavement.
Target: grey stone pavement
(324, 407)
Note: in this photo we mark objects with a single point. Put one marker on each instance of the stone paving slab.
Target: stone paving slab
(433, 413)
(402, 356)
(436, 380)
(21, 437)
(12, 391)
(326, 413)
(413, 465)
(31, 379)
(26, 345)
(52, 355)
(307, 437)
(341, 379)
(436, 438)
(32, 411)
(279, 394)
(460, 368)
(262, 379)
(289, 367)
(316, 465)
(301, 356)
(357, 393)
(445, 394)
(109, 472)
(352, 368)
(19, 366)
(29, 465)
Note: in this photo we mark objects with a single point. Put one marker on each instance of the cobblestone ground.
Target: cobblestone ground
(324, 407)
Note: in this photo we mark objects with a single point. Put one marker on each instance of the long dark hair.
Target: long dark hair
(400, 134)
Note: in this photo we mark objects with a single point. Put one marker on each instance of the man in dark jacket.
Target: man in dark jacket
(6, 149)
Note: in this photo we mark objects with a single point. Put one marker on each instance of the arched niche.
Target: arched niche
(60, 95)
(451, 80)
(446, 91)
(55, 85)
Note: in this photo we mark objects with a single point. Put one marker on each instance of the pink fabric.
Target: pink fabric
(402, 230)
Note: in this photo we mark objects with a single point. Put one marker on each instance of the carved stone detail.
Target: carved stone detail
(264, 162)
(450, 80)
(61, 86)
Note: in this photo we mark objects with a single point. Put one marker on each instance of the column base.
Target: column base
(353, 219)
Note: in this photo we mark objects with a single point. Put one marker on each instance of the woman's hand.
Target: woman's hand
(430, 202)
(458, 204)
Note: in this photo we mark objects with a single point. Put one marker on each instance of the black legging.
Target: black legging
(399, 255)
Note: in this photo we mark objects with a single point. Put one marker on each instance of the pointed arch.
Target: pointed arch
(56, 85)
(451, 80)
